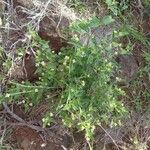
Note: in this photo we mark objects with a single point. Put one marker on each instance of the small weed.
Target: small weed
(117, 7)
(82, 73)
(77, 5)
(146, 4)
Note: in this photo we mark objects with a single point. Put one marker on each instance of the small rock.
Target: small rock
(128, 68)
(25, 70)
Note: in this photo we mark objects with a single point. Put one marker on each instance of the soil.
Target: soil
(129, 67)
(28, 138)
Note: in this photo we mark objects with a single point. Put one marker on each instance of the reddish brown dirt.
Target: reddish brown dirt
(30, 139)
(49, 33)
(26, 138)
(25, 70)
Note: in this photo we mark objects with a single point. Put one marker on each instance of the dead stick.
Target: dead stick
(12, 114)
(22, 122)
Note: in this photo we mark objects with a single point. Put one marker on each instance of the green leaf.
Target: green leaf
(107, 20)
(109, 2)
(95, 22)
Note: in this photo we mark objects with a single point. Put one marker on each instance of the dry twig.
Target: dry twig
(21, 121)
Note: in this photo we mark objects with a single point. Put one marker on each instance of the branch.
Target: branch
(21, 121)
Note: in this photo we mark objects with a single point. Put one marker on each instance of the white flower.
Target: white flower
(48, 96)
(59, 53)
(83, 53)
(118, 79)
(66, 57)
(36, 90)
(51, 114)
(64, 63)
(76, 37)
(43, 120)
(43, 63)
(115, 31)
(23, 101)
(73, 61)
(31, 104)
(43, 145)
(116, 53)
(83, 83)
(7, 95)
(37, 64)
(72, 90)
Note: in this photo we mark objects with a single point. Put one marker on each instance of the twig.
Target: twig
(12, 114)
(64, 148)
(21, 121)
(110, 137)
(34, 127)
(3, 134)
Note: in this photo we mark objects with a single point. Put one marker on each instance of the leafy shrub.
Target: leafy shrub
(83, 73)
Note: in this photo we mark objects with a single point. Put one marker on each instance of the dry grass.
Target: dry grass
(134, 134)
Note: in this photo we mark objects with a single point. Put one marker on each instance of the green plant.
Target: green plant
(135, 34)
(140, 86)
(146, 4)
(117, 7)
(77, 5)
(82, 73)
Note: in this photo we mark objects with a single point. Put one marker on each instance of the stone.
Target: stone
(128, 68)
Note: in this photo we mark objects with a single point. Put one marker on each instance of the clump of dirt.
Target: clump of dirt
(129, 67)
(49, 31)
(25, 70)
(26, 138)
(30, 139)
